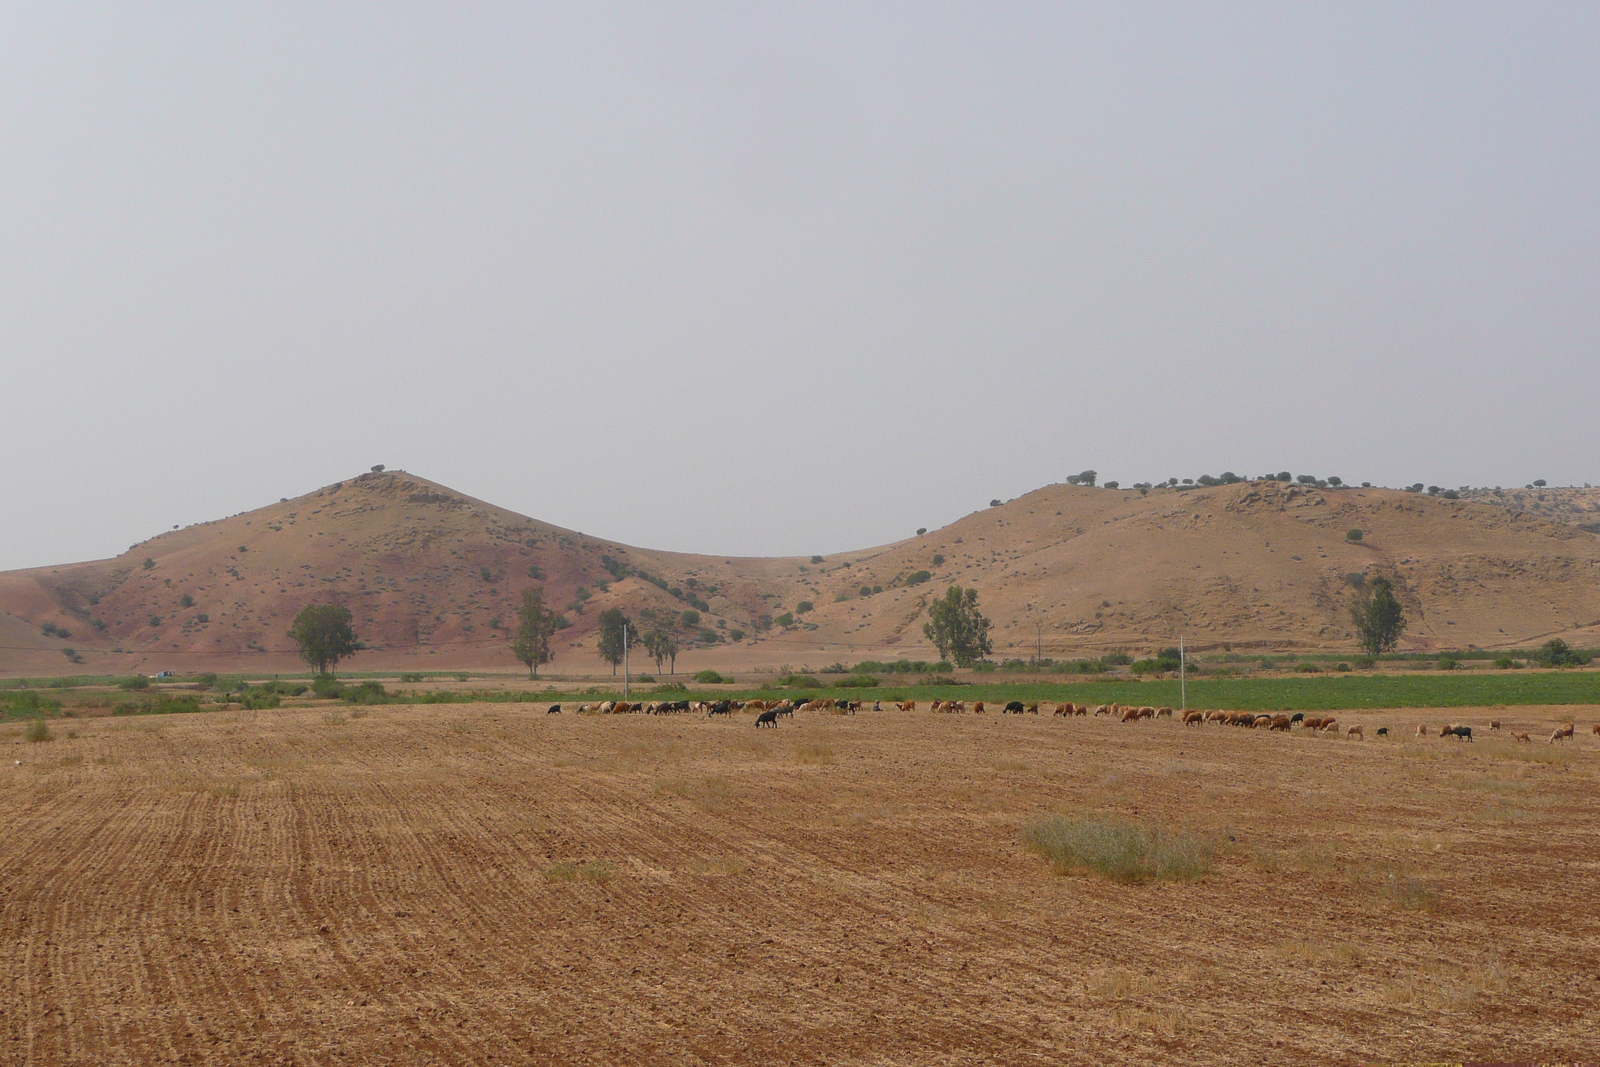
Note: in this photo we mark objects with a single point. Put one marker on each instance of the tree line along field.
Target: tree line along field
(487, 883)
(1272, 693)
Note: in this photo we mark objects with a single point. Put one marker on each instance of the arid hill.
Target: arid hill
(433, 578)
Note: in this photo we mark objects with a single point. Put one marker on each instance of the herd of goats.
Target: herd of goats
(769, 711)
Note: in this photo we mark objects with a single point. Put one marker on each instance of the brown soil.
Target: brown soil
(457, 885)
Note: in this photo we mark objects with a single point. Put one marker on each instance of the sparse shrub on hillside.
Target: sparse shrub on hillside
(803, 607)
(1342, 667)
(690, 617)
(1506, 663)
(917, 577)
(1448, 663)
(816, 559)
(736, 635)
(1118, 658)
(1540, 483)
(708, 677)
(1356, 579)
(536, 572)
(148, 563)
(202, 618)
(785, 620)
(938, 560)
(1113, 485)
(866, 590)
(921, 530)
(36, 731)
(1353, 535)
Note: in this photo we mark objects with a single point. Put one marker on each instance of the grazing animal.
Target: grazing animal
(977, 707)
(1355, 731)
(1062, 709)
(1033, 709)
(1563, 733)
(1597, 729)
(1422, 729)
(1216, 716)
(908, 705)
(1147, 713)
(1520, 737)
(608, 707)
(1260, 721)
(1298, 716)
(1383, 731)
(1281, 722)
(1494, 724)
(767, 718)
(1130, 714)
(553, 709)
(721, 707)
(1101, 709)
(1013, 707)
(1314, 723)
(877, 705)
(1330, 726)
(1163, 713)
(1195, 718)
(1462, 732)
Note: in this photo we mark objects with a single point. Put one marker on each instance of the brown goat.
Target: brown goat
(1564, 733)
(1520, 737)
(1355, 731)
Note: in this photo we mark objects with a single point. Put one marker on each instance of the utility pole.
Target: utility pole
(1183, 678)
(624, 661)
(1038, 641)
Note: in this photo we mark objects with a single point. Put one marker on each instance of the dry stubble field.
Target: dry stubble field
(488, 884)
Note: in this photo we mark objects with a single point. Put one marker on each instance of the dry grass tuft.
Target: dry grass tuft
(567, 871)
(813, 754)
(1118, 849)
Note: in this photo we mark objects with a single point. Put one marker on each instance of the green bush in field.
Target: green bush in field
(36, 731)
(1118, 849)
(708, 677)
(137, 681)
(857, 681)
(326, 685)
(1557, 653)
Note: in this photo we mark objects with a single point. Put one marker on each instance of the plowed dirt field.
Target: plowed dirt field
(451, 884)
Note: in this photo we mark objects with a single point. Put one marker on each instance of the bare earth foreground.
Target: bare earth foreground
(462, 884)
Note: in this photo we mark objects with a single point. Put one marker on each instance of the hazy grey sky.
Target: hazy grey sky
(784, 278)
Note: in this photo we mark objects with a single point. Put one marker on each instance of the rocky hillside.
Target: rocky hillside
(433, 578)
